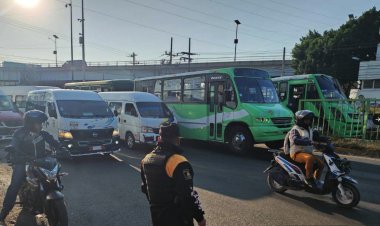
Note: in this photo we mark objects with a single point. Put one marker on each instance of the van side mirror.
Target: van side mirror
(115, 113)
(51, 110)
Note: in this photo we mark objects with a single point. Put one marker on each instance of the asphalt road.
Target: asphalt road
(106, 191)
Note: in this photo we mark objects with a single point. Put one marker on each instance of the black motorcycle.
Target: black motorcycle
(41, 194)
(284, 173)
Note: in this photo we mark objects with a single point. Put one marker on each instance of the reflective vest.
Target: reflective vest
(301, 148)
(158, 174)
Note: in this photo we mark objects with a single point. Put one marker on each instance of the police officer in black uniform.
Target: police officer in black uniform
(28, 143)
(167, 180)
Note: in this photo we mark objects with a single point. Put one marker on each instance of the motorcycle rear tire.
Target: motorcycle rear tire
(57, 215)
(274, 186)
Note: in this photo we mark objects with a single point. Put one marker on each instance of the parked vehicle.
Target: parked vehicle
(236, 106)
(10, 118)
(139, 115)
(103, 85)
(323, 95)
(81, 120)
(42, 191)
(284, 173)
(18, 94)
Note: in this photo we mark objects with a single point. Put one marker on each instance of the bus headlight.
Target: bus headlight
(145, 129)
(115, 133)
(263, 120)
(65, 135)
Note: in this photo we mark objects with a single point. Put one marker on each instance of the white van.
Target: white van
(18, 94)
(139, 114)
(80, 120)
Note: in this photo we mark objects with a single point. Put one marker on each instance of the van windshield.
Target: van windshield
(330, 88)
(253, 90)
(6, 104)
(84, 109)
(153, 110)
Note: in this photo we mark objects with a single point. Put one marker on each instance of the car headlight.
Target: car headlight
(145, 129)
(65, 135)
(115, 133)
(263, 120)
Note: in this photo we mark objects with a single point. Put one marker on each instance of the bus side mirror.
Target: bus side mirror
(51, 110)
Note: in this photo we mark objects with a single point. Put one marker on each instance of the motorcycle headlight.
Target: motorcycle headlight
(50, 174)
(65, 135)
(115, 133)
(145, 129)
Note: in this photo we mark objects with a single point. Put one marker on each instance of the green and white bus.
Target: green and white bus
(322, 94)
(238, 106)
(103, 85)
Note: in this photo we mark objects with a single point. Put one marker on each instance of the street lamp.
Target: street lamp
(71, 28)
(55, 49)
(236, 39)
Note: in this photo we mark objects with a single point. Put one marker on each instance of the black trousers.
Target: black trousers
(169, 216)
(18, 178)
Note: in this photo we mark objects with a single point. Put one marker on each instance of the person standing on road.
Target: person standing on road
(28, 143)
(167, 181)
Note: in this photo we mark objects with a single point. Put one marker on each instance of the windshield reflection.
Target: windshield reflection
(252, 90)
(330, 88)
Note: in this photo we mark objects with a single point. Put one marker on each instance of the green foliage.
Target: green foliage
(331, 52)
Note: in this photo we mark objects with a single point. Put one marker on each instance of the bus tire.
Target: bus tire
(239, 140)
(130, 141)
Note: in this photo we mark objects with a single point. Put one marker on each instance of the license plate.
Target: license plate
(97, 148)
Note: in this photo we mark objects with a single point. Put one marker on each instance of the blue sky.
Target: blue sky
(116, 28)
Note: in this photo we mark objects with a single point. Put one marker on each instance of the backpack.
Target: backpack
(287, 144)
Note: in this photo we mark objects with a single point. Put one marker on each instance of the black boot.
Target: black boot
(311, 183)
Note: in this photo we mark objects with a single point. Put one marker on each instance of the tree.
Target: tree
(332, 52)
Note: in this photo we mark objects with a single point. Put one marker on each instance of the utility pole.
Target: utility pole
(55, 49)
(171, 51)
(71, 35)
(236, 38)
(133, 55)
(188, 57)
(81, 38)
(283, 63)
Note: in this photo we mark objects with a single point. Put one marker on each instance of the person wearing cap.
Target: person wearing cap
(301, 140)
(167, 181)
(28, 143)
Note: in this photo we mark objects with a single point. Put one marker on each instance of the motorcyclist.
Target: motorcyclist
(167, 180)
(301, 148)
(28, 143)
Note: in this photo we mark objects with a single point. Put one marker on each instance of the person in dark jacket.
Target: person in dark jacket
(167, 181)
(28, 143)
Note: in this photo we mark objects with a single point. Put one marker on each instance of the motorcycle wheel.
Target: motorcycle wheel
(57, 215)
(352, 194)
(274, 186)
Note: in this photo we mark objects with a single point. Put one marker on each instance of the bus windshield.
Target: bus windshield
(84, 109)
(330, 88)
(253, 90)
(153, 110)
(6, 104)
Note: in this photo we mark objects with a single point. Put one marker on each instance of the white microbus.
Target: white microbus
(139, 114)
(18, 94)
(81, 120)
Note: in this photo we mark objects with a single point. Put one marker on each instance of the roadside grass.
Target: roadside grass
(358, 147)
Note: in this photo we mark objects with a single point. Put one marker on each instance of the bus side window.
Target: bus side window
(282, 91)
(312, 92)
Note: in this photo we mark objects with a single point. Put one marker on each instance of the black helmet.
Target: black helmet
(302, 115)
(34, 116)
(169, 130)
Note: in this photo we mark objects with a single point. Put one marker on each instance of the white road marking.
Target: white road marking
(117, 158)
(135, 168)
(128, 156)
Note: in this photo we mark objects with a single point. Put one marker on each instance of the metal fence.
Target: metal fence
(358, 118)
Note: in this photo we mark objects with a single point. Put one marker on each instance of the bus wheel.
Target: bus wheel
(240, 140)
(275, 144)
(130, 141)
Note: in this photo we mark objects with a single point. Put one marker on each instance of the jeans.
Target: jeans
(18, 178)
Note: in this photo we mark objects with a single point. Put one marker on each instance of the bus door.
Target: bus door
(215, 109)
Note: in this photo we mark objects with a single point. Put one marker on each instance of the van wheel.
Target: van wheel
(239, 140)
(130, 140)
